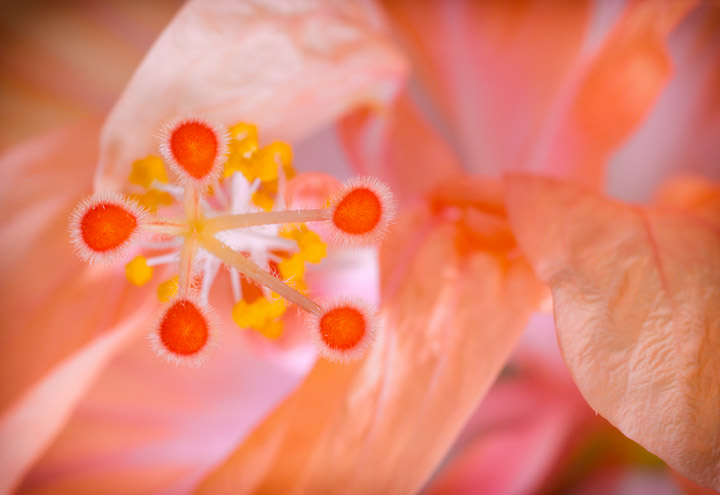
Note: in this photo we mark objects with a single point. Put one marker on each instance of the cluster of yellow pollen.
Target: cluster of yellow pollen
(227, 210)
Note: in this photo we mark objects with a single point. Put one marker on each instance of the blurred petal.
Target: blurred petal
(151, 427)
(62, 320)
(449, 321)
(493, 68)
(289, 68)
(615, 90)
(523, 429)
(398, 145)
(60, 61)
(637, 307)
(682, 133)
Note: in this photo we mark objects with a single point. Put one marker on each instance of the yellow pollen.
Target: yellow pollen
(138, 272)
(168, 289)
(312, 248)
(272, 330)
(292, 268)
(152, 199)
(263, 200)
(147, 169)
(259, 313)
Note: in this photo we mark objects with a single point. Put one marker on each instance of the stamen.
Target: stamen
(195, 148)
(185, 332)
(262, 246)
(235, 284)
(249, 269)
(167, 227)
(343, 329)
(185, 271)
(244, 220)
(162, 259)
(361, 212)
(105, 226)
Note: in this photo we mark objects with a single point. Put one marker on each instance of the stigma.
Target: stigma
(226, 208)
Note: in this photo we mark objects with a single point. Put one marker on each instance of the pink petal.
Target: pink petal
(62, 320)
(636, 295)
(681, 134)
(398, 145)
(611, 93)
(524, 429)
(493, 68)
(147, 426)
(450, 318)
(289, 69)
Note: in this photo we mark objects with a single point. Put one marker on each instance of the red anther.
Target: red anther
(344, 329)
(195, 148)
(361, 212)
(105, 226)
(185, 332)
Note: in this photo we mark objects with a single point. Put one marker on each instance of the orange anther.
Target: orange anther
(184, 332)
(344, 329)
(194, 147)
(359, 212)
(107, 226)
(183, 329)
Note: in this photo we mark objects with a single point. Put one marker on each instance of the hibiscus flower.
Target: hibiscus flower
(511, 88)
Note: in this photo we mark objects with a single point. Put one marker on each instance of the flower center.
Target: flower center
(228, 210)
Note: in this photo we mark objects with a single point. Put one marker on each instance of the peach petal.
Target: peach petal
(62, 320)
(636, 296)
(494, 70)
(692, 195)
(449, 323)
(287, 68)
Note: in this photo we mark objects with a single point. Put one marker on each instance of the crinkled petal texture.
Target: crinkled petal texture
(288, 67)
(637, 306)
(450, 318)
(62, 320)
